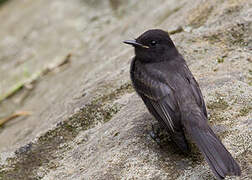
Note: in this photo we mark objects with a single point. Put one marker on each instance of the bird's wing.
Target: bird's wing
(159, 99)
(195, 89)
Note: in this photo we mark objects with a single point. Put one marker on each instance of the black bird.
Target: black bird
(163, 80)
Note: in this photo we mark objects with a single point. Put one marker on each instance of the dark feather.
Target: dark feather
(195, 89)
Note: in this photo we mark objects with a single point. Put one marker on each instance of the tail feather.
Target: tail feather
(219, 159)
(210, 153)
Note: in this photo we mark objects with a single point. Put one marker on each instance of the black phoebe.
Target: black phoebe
(163, 80)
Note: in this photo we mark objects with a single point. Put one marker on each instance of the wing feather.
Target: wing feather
(158, 97)
(195, 89)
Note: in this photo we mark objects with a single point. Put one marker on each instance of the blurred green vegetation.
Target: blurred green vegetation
(3, 1)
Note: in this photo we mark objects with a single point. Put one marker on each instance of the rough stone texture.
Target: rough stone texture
(87, 122)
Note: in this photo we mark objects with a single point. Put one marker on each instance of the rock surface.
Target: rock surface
(86, 121)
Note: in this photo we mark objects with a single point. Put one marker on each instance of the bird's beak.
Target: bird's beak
(135, 44)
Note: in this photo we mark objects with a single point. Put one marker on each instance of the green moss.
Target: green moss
(219, 104)
(249, 77)
(49, 146)
(212, 38)
(250, 72)
(217, 107)
(220, 60)
(235, 35)
(217, 118)
(250, 82)
(244, 111)
(109, 112)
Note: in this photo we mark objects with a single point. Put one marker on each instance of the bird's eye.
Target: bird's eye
(153, 43)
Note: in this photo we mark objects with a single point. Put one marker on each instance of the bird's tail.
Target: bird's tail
(219, 159)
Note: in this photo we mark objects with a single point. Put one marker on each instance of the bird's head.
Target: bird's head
(153, 46)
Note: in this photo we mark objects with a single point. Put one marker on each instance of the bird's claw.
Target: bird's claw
(155, 134)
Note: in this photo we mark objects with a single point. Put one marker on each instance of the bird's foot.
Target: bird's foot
(155, 134)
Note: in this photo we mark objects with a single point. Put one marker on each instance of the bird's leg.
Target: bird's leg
(155, 134)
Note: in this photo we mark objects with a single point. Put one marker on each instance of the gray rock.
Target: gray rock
(87, 122)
